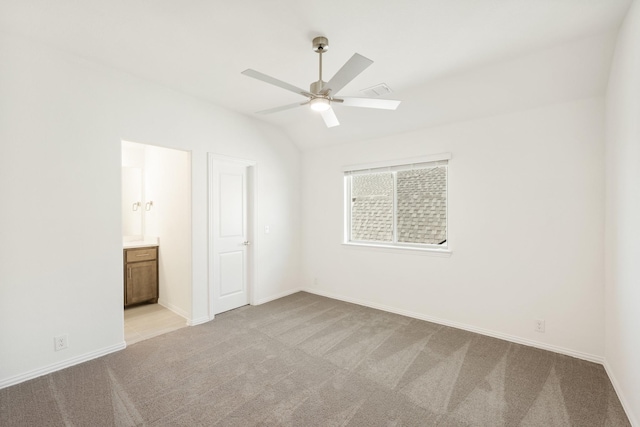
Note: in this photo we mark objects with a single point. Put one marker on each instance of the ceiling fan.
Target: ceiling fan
(322, 95)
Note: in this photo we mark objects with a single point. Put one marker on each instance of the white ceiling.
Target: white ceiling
(446, 60)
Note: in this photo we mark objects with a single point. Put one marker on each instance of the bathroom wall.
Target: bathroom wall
(167, 184)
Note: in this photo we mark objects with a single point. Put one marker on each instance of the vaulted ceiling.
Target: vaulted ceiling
(447, 60)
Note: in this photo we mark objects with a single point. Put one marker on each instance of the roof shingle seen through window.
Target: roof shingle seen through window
(372, 207)
(421, 208)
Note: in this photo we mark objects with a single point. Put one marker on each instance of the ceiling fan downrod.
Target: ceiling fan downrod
(320, 45)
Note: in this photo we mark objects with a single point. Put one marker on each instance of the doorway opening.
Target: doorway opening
(156, 234)
(231, 233)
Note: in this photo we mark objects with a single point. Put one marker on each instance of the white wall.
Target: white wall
(622, 349)
(167, 184)
(526, 226)
(62, 120)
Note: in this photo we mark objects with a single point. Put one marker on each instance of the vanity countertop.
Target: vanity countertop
(132, 245)
(142, 243)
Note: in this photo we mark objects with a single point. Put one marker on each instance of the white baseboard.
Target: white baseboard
(623, 401)
(277, 296)
(180, 312)
(199, 320)
(61, 365)
(177, 310)
(470, 328)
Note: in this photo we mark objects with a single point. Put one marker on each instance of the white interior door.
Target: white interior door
(229, 236)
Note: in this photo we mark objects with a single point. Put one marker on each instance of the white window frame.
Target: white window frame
(394, 166)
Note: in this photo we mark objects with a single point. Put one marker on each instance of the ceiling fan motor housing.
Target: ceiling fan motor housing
(320, 44)
(316, 87)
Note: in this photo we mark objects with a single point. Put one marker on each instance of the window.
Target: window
(398, 204)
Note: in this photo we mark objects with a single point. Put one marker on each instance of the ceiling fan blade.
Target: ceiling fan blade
(383, 104)
(349, 71)
(330, 118)
(268, 79)
(281, 108)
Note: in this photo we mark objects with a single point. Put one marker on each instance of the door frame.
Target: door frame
(251, 226)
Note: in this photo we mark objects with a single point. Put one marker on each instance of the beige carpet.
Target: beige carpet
(306, 360)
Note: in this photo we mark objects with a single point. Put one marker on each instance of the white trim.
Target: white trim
(232, 159)
(61, 365)
(433, 251)
(252, 231)
(346, 209)
(623, 401)
(447, 234)
(394, 213)
(398, 162)
(487, 332)
(210, 207)
(177, 310)
(277, 296)
(199, 320)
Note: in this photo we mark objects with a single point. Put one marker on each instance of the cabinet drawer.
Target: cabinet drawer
(142, 254)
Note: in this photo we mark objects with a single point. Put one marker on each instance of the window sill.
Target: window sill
(445, 253)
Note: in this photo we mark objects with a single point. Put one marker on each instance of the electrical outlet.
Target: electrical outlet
(61, 342)
(315, 281)
(539, 325)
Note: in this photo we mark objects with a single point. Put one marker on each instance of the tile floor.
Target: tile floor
(149, 320)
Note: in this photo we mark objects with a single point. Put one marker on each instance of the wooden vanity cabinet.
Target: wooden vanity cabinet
(140, 275)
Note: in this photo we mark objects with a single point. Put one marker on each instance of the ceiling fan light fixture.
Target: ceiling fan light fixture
(320, 104)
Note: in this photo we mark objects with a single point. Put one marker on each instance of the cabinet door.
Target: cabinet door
(142, 280)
